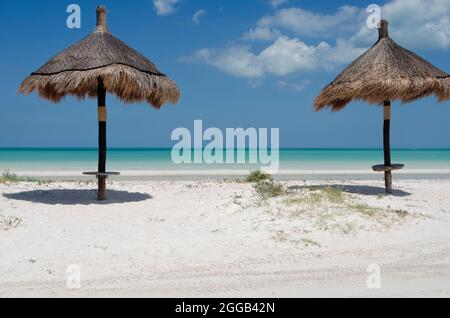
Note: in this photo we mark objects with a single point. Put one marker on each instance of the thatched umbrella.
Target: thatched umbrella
(384, 73)
(96, 65)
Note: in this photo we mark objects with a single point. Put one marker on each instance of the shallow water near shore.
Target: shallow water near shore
(154, 163)
(159, 159)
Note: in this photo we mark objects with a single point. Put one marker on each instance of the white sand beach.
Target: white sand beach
(222, 238)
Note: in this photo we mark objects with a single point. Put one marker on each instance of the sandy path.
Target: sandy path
(204, 238)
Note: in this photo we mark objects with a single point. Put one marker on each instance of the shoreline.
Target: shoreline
(143, 175)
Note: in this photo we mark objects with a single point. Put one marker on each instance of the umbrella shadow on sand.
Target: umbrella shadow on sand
(75, 196)
(355, 189)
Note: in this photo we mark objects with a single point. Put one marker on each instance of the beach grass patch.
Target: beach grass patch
(402, 213)
(315, 198)
(9, 176)
(294, 201)
(310, 199)
(280, 236)
(365, 209)
(269, 189)
(317, 195)
(310, 243)
(373, 211)
(334, 194)
(348, 228)
(9, 222)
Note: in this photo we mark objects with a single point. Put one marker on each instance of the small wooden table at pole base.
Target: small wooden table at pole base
(101, 176)
(388, 174)
(383, 168)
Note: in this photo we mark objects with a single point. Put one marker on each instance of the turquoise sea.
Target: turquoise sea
(159, 159)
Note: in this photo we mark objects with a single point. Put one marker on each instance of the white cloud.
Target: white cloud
(415, 24)
(303, 22)
(238, 61)
(165, 7)
(197, 15)
(286, 56)
(283, 57)
(297, 87)
(276, 3)
(262, 33)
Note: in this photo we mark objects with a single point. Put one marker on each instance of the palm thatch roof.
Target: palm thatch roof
(385, 72)
(124, 71)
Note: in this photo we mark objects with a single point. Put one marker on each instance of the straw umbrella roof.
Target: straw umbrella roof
(385, 72)
(125, 72)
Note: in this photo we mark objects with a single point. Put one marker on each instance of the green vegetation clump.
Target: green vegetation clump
(334, 194)
(269, 189)
(295, 201)
(365, 209)
(318, 195)
(402, 213)
(309, 242)
(264, 185)
(258, 176)
(9, 176)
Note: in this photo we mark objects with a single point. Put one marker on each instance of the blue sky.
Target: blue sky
(254, 63)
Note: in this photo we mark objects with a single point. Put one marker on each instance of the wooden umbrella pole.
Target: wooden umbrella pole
(387, 146)
(101, 194)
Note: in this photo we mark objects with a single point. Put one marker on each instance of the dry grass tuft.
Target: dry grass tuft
(269, 189)
(9, 176)
(9, 222)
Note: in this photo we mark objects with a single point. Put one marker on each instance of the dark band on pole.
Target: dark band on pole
(101, 127)
(387, 132)
(101, 139)
(387, 145)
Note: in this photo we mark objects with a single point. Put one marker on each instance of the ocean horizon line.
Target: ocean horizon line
(224, 149)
